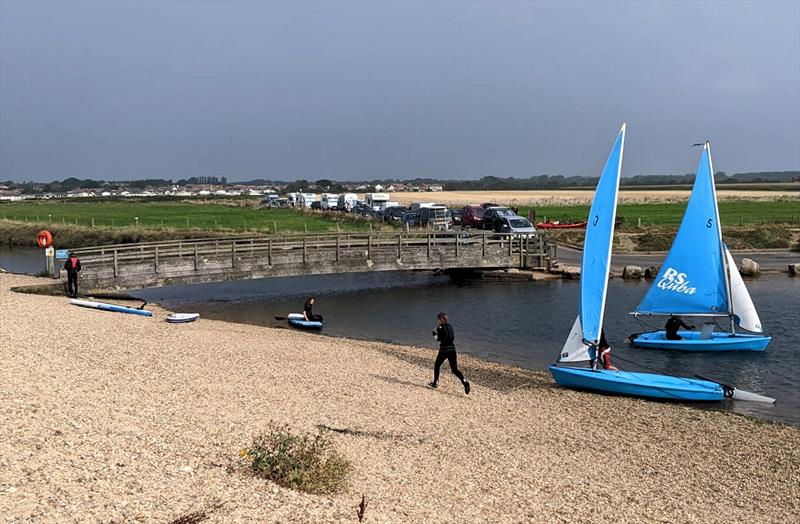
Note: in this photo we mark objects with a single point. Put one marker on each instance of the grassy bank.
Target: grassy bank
(77, 224)
(731, 213)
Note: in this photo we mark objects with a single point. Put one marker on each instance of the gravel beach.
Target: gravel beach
(106, 417)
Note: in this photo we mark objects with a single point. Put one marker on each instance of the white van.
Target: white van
(306, 199)
(348, 201)
(375, 200)
(329, 201)
(294, 199)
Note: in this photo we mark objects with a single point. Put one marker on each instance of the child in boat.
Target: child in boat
(308, 314)
(603, 354)
(673, 325)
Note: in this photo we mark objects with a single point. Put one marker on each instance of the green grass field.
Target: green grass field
(177, 216)
(732, 213)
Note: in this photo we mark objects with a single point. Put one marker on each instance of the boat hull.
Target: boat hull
(692, 341)
(646, 385)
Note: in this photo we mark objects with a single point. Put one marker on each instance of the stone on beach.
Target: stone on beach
(794, 269)
(571, 272)
(651, 272)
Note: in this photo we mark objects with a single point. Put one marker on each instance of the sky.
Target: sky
(358, 91)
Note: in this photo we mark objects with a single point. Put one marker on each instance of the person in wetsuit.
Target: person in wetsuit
(447, 351)
(673, 325)
(308, 314)
(603, 353)
(73, 266)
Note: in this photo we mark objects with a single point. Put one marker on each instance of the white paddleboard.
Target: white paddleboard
(180, 318)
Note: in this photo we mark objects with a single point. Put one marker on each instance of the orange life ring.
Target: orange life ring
(44, 238)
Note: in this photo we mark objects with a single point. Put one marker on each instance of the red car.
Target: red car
(472, 216)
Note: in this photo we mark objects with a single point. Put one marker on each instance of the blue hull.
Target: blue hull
(632, 384)
(111, 307)
(691, 341)
(305, 324)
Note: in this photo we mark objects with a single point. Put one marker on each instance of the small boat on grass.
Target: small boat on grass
(584, 340)
(699, 278)
(561, 225)
(182, 318)
(103, 306)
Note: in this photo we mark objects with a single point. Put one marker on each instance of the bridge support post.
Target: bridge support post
(196, 258)
(233, 254)
(369, 244)
(521, 253)
(510, 244)
(399, 246)
(337, 245)
(269, 252)
(116, 265)
(155, 263)
(429, 245)
(304, 250)
(483, 246)
(455, 238)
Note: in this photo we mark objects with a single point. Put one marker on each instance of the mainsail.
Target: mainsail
(744, 311)
(692, 280)
(597, 245)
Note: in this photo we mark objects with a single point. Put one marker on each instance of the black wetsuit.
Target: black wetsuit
(309, 314)
(73, 266)
(447, 351)
(672, 327)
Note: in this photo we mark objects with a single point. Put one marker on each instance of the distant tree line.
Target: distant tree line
(484, 183)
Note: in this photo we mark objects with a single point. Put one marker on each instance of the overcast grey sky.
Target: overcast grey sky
(349, 90)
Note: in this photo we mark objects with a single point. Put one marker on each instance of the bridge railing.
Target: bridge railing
(514, 250)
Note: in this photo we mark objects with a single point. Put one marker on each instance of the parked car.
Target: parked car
(411, 218)
(395, 214)
(493, 213)
(472, 216)
(514, 225)
(316, 204)
(456, 215)
(435, 217)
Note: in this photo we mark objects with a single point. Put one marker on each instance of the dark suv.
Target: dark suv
(472, 216)
(493, 213)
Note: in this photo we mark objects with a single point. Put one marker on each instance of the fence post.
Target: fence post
(399, 246)
(483, 246)
(269, 252)
(304, 250)
(196, 258)
(429, 245)
(187, 222)
(116, 266)
(510, 242)
(156, 260)
(275, 226)
(369, 245)
(252, 249)
(337, 246)
(233, 254)
(455, 237)
(521, 254)
(305, 225)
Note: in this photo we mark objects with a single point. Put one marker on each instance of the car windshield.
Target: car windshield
(519, 223)
(398, 209)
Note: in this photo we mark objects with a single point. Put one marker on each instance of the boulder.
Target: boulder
(632, 273)
(571, 272)
(651, 272)
(749, 268)
(794, 269)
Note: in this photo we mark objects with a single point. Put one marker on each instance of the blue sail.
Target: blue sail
(597, 245)
(692, 279)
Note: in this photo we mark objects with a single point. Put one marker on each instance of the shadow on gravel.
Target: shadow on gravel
(413, 384)
(490, 375)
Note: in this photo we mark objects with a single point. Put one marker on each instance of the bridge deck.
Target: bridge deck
(208, 260)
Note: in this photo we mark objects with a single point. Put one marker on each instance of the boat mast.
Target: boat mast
(724, 258)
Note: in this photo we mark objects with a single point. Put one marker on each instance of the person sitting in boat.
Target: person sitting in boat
(673, 325)
(308, 314)
(603, 354)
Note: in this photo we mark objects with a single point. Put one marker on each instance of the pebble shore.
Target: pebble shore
(107, 417)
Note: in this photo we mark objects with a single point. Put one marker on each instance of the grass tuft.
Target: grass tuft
(303, 462)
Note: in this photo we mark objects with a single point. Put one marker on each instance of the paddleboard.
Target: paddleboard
(298, 320)
(110, 307)
(182, 318)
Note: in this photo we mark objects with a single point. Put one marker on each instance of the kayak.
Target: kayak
(558, 225)
(299, 321)
(103, 306)
(182, 318)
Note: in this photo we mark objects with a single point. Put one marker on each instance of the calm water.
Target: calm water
(27, 260)
(517, 323)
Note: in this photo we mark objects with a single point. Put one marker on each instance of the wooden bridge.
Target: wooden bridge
(153, 264)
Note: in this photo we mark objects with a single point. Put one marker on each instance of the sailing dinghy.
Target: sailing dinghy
(699, 278)
(584, 338)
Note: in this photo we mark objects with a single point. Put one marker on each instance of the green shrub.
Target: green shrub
(305, 462)
(654, 241)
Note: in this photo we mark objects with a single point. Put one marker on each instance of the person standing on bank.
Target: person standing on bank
(447, 351)
(73, 266)
(308, 314)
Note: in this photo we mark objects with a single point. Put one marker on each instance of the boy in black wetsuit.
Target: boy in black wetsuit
(447, 351)
(308, 312)
(673, 324)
